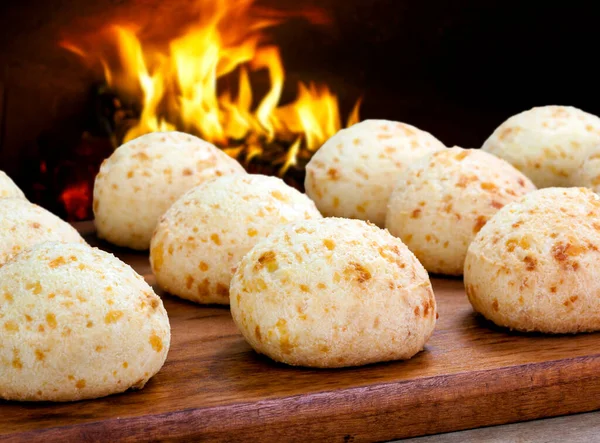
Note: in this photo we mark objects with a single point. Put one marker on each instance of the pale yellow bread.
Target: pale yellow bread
(144, 177)
(546, 143)
(534, 265)
(77, 323)
(442, 201)
(353, 174)
(332, 293)
(24, 224)
(589, 173)
(199, 242)
(8, 188)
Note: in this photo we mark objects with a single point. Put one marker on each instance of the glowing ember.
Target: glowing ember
(66, 180)
(76, 199)
(186, 85)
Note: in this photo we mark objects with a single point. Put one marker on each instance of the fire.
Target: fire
(205, 81)
(76, 199)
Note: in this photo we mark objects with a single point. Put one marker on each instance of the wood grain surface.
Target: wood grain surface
(576, 428)
(213, 387)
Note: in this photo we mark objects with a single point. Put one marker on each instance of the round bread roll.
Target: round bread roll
(143, 177)
(200, 240)
(332, 293)
(353, 174)
(442, 201)
(534, 265)
(8, 188)
(548, 143)
(24, 224)
(589, 173)
(77, 323)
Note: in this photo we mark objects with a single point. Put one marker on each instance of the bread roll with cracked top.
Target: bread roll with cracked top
(77, 323)
(353, 174)
(442, 201)
(144, 177)
(534, 265)
(333, 293)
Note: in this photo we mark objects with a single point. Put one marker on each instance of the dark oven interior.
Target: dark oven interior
(456, 69)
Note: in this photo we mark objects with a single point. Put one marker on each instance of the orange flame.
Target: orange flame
(178, 85)
(76, 199)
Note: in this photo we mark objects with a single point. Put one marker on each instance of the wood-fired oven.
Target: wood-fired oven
(455, 69)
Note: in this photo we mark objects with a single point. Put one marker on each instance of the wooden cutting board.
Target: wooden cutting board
(213, 387)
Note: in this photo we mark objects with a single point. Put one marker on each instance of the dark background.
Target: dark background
(456, 69)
